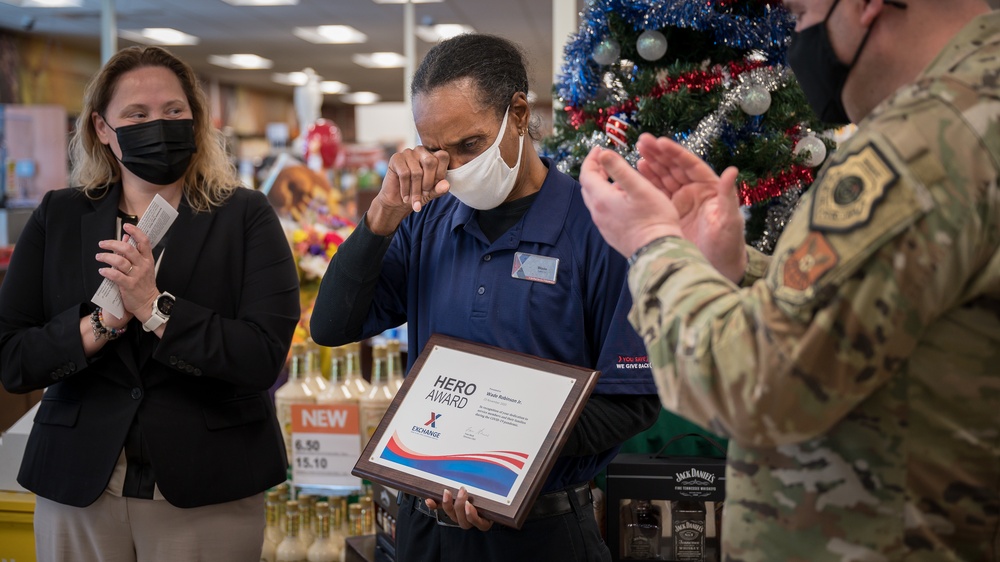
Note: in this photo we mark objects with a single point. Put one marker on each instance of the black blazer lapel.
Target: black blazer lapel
(94, 227)
(187, 237)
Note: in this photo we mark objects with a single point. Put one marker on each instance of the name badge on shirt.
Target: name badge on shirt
(535, 268)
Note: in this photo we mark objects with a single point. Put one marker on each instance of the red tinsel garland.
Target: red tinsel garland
(768, 188)
(699, 80)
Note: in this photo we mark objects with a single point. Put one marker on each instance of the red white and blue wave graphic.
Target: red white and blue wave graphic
(493, 471)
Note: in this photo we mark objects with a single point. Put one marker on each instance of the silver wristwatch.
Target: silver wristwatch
(163, 305)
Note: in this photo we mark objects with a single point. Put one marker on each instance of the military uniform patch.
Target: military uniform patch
(848, 192)
(809, 262)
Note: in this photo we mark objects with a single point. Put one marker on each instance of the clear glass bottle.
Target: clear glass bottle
(339, 390)
(395, 364)
(272, 532)
(337, 534)
(284, 494)
(291, 549)
(295, 391)
(367, 515)
(3, 160)
(719, 507)
(354, 520)
(375, 402)
(325, 548)
(314, 371)
(643, 530)
(688, 517)
(352, 369)
(306, 506)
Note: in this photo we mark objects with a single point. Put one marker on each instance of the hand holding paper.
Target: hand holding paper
(154, 224)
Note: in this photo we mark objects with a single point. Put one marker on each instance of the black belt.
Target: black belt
(547, 505)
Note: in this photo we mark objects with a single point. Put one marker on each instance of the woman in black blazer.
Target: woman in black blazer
(156, 436)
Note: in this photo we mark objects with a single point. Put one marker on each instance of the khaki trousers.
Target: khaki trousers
(118, 529)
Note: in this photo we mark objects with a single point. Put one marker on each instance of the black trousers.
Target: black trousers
(570, 537)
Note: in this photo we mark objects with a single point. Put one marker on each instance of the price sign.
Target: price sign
(325, 444)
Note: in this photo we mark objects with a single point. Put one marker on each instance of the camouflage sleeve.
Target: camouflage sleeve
(883, 242)
(757, 263)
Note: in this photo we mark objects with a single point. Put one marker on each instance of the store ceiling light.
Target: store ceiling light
(330, 34)
(442, 31)
(379, 60)
(262, 2)
(333, 87)
(290, 78)
(158, 36)
(44, 3)
(361, 98)
(300, 78)
(241, 61)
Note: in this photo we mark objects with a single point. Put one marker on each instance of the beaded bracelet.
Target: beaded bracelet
(102, 331)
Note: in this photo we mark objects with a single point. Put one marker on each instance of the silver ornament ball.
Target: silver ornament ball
(755, 101)
(813, 148)
(607, 51)
(652, 45)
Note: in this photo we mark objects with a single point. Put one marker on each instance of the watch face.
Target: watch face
(165, 305)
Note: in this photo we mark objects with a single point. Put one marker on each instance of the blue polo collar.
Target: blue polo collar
(546, 218)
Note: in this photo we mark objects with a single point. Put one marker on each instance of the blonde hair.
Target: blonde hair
(210, 178)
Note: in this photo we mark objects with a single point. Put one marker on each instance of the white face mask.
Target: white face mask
(485, 181)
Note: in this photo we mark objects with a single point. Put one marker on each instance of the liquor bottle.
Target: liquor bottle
(325, 548)
(352, 369)
(395, 365)
(284, 494)
(295, 391)
(354, 520)
(339, 390)
(314, 371)
(3, 159)
(291, 549)
(272, 532)
(719, 506)
(337, 534)
(367, 515)
(688, 518)
(643, 529)
(306, 534)
(375, 402)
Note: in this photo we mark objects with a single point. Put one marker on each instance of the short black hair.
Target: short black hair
(496, 66)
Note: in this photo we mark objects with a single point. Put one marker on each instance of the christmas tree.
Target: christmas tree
(712, 75)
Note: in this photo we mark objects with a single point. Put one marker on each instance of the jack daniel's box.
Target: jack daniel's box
(665, 508)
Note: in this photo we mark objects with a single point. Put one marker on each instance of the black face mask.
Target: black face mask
(820, 73)
(157, 151)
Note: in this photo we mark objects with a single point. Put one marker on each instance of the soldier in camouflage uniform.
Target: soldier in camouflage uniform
(857, 372)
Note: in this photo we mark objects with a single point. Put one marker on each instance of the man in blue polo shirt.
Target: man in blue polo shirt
(511, 259)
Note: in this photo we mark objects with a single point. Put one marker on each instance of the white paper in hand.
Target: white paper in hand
(154, 223)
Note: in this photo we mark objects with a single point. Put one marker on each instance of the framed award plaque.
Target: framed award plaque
(481, 417)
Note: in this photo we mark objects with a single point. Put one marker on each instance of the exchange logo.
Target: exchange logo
(433, 421)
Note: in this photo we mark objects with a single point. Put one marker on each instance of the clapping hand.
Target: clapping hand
(673, 193)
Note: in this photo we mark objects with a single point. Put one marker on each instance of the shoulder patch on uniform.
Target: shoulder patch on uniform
(814, 257)
(850, 190)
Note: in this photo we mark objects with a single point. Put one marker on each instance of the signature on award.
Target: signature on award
(475, 433)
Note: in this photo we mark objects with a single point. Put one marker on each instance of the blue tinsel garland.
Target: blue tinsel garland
(580, 79)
